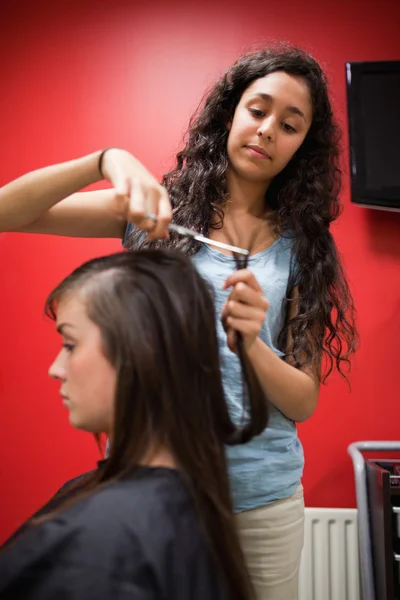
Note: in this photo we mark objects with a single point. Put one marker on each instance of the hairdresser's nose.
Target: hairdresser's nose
(57, 368)
(266, 128)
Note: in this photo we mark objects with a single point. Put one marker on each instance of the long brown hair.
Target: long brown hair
(157, 321)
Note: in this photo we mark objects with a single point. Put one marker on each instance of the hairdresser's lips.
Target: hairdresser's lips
(258, 152)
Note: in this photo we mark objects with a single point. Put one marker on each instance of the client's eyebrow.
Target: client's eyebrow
(62, 326)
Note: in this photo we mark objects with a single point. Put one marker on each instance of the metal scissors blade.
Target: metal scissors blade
(200, 238)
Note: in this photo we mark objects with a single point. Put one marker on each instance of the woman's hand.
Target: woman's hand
(245, 309)
(138, 192)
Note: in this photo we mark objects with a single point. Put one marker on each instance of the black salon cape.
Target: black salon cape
(139, 539)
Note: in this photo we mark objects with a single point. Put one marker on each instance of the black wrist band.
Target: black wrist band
(100, 164)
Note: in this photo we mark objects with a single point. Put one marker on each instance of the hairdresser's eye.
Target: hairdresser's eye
(68, 347)
(288, 128)
(256, 112)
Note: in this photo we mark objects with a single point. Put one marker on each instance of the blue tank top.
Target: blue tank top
(270, 466)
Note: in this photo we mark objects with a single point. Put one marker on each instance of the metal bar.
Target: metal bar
(364, 533)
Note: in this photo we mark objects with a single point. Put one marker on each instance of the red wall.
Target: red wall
(79, 76)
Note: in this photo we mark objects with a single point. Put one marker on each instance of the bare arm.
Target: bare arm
(85, 214)
(46, 200)
(293, 391)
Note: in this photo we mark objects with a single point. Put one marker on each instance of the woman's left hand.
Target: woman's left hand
(245, 309)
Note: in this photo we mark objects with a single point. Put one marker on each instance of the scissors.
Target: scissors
(200, 238)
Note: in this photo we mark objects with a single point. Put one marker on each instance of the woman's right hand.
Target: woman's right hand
(138, 192)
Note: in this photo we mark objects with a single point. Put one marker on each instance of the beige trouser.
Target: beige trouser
(272, 540)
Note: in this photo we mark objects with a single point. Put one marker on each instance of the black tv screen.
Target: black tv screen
(373, 103)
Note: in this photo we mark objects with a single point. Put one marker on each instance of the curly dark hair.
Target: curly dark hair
(305, 196)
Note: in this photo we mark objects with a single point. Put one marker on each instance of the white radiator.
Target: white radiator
(329, 567)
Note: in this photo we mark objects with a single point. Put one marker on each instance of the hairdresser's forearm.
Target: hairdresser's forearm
(27, 198)
(292, 391)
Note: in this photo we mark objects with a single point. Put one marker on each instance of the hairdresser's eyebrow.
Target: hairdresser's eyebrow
(62, 326)
(293, 109)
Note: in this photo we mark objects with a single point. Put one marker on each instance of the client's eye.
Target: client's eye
(68, 347)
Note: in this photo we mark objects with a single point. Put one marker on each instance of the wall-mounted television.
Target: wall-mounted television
(373, 106)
